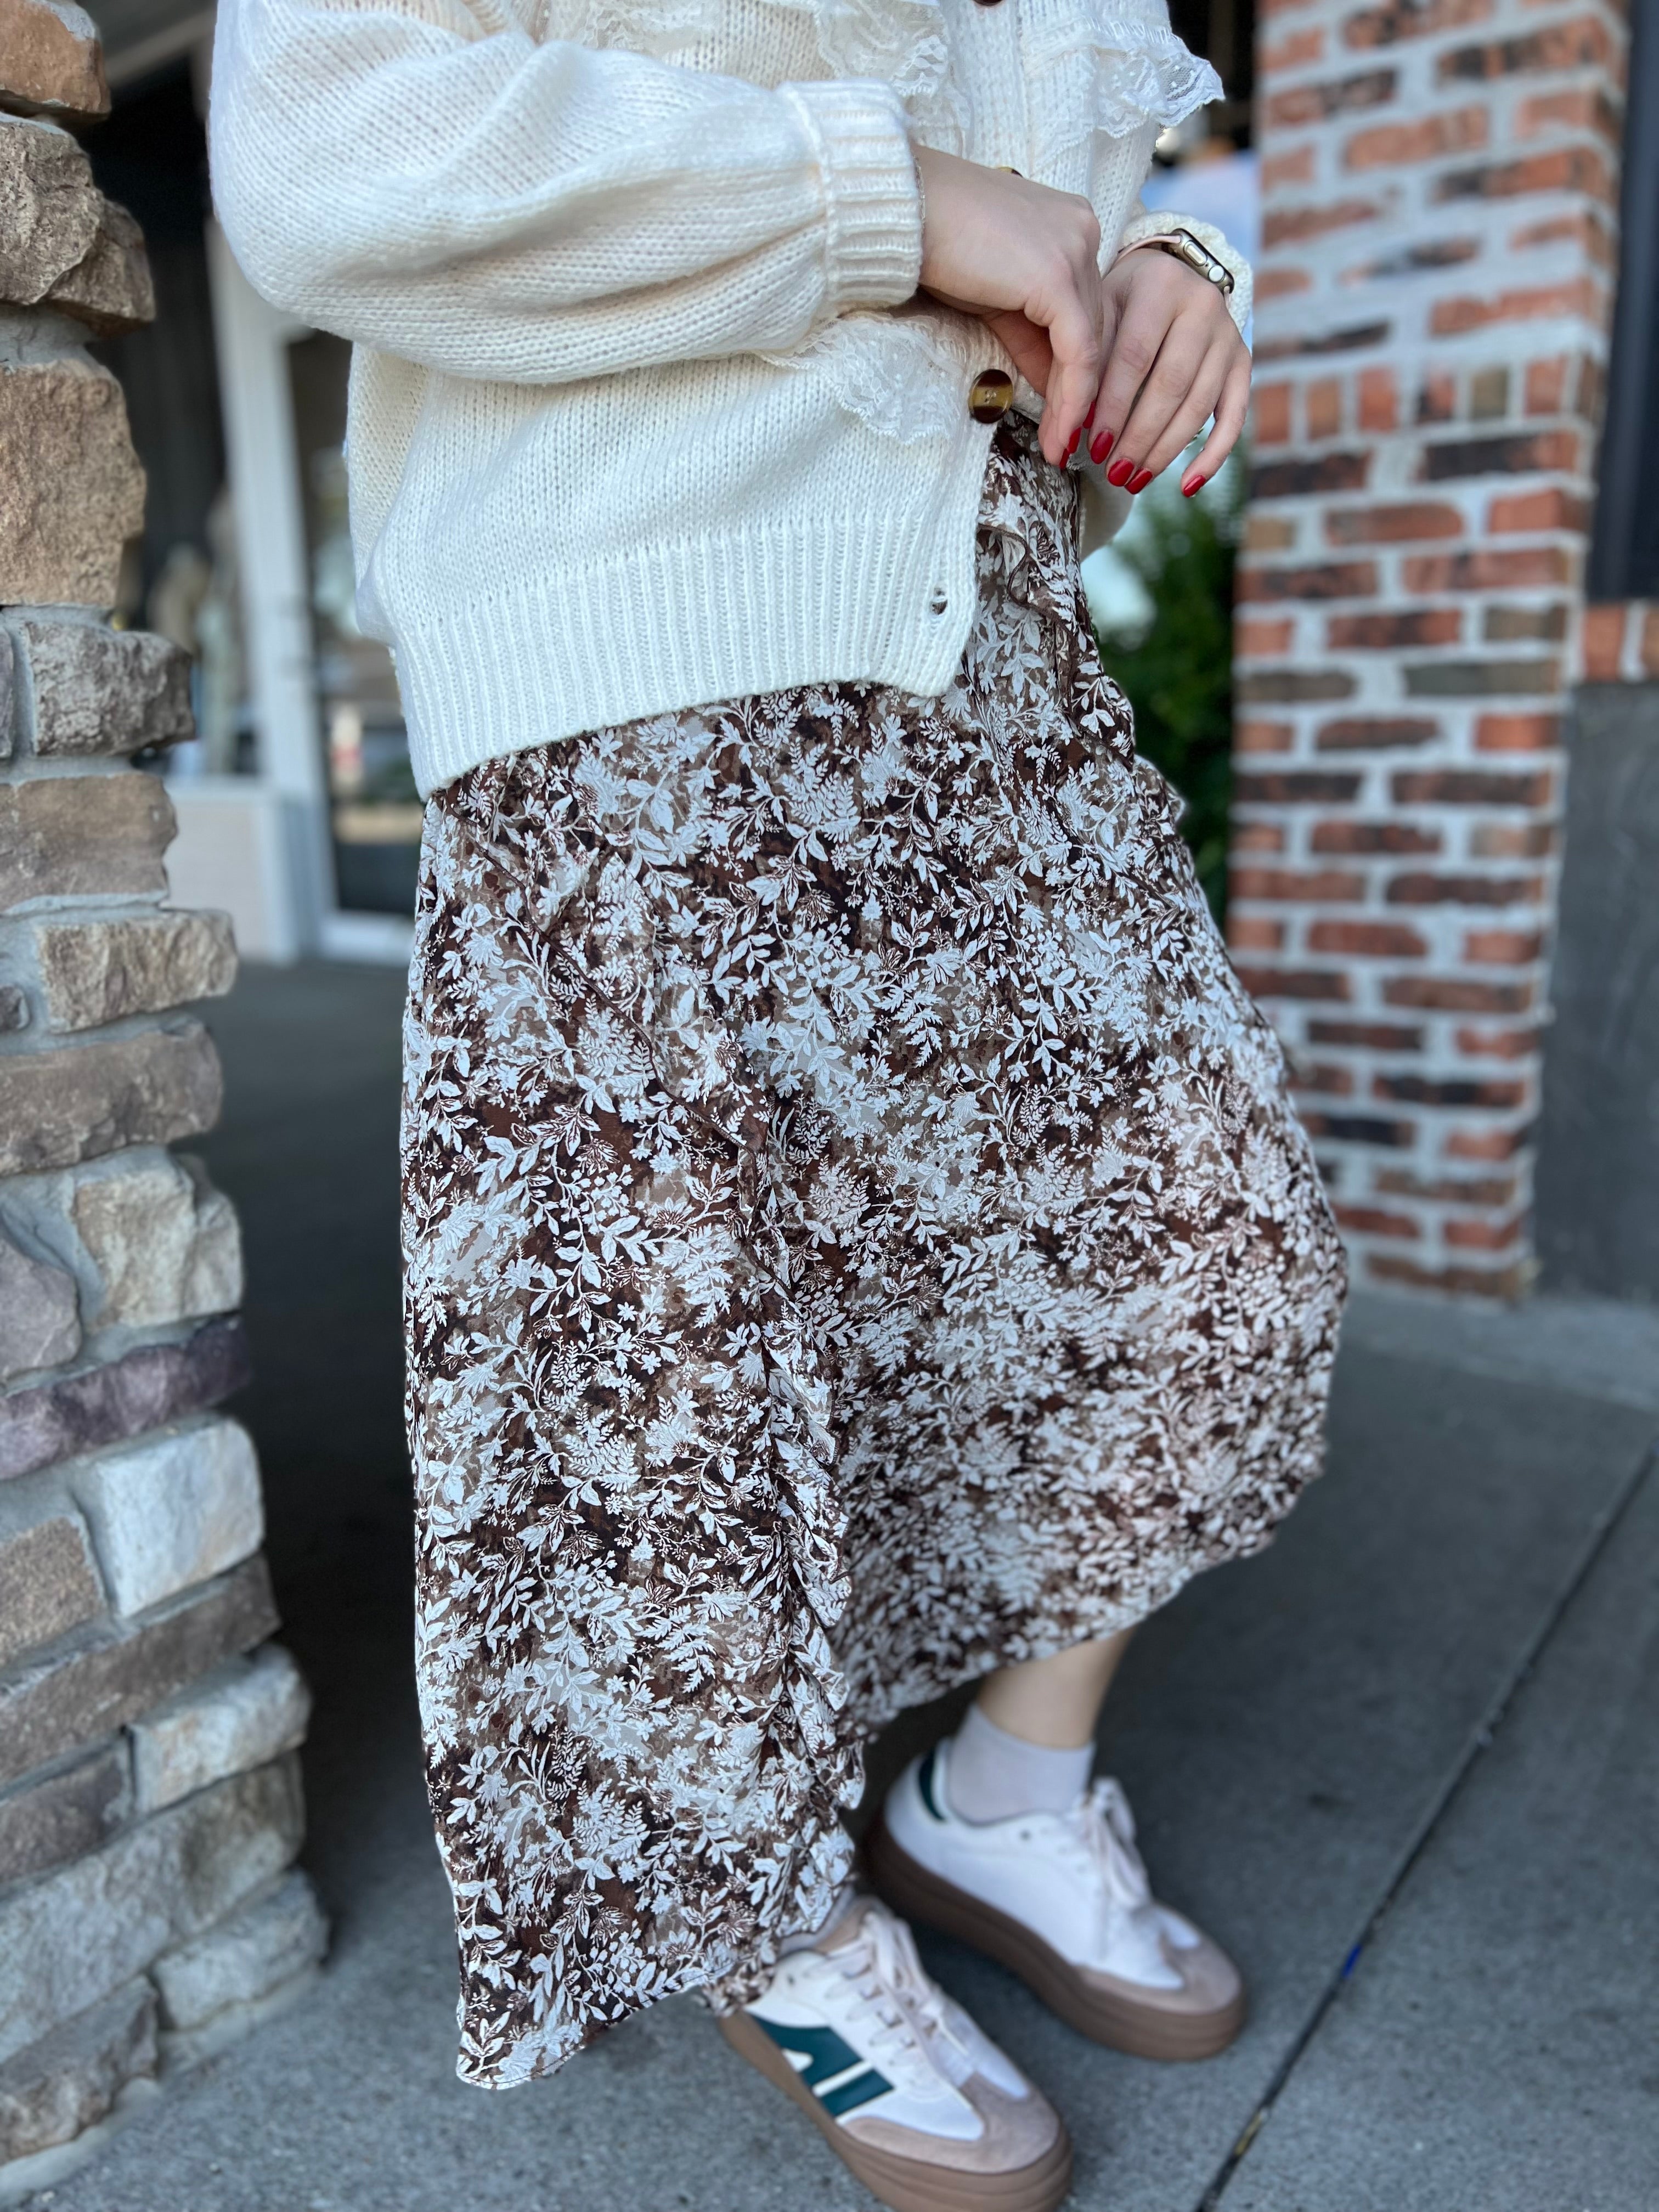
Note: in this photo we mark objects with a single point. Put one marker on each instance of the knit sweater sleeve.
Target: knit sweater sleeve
(423, 176)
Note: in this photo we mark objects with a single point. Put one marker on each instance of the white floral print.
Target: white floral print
(856, 1236)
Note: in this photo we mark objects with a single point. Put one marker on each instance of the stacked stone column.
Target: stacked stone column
(149, 1797)
(1439, 193)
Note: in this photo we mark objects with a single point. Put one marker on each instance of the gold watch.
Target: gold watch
(1196, 255)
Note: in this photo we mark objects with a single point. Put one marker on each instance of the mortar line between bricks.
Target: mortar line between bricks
(1602, 1530)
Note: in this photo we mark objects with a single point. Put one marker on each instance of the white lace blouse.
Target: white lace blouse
(644, 410)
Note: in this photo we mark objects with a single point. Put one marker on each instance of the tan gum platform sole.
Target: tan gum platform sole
(1107, 2011)
(909, 2184)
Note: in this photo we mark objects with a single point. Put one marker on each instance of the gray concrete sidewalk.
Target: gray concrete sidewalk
(1421, 1724)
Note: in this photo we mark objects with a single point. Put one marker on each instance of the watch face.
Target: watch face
(1198, 256)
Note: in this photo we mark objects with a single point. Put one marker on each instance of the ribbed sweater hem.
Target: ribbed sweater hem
(849, 598)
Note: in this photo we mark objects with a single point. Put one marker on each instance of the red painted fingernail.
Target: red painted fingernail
(1119, 473)
(1140, 482)
(1101, 447)
(1072, 443)
(1193, 482)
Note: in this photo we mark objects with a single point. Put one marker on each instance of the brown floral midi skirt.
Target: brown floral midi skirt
(856, 1236)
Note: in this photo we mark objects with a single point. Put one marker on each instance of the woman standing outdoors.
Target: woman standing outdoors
(857, 1240)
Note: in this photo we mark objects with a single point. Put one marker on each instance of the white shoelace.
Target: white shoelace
(881, 1964)
(1109, 1829)
(1101, 1829)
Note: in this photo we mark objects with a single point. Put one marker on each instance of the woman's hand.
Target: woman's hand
(1174, 359)
(1026, 260)
(1141, 358)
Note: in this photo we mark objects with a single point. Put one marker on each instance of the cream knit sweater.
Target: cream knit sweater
(644, 412)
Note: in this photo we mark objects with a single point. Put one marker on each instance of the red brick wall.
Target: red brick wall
(1440, 186)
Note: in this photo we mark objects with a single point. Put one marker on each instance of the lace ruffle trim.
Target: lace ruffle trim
(894, 372)
(1141, 72)
(902, 43)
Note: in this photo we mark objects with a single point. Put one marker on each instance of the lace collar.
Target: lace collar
(1141, 73)
(1108, 65)
(902, 43)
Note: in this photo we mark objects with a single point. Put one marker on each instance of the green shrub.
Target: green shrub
(1176, 669)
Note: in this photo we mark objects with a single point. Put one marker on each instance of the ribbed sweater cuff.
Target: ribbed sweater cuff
(874, 212)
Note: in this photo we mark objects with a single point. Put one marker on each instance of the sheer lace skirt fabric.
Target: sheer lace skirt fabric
(856, 1233)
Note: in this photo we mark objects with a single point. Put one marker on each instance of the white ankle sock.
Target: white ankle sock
(814, 1939)
(993, 1776)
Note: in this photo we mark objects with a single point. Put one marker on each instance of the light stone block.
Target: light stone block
(51, 211)
(61, 2085)
(87, 690)
(65, 1815)
(264, 1944)
(83, 836)
(48, 1584)
(81, 1101)
(170, 1510)
(145, 1236)
(111, 290)
(39, 1319)
(71, 489)
(74, 1936)
(166, 1245)
(248, 1711)
(50, 57)
(52, 1706)
(93, 972)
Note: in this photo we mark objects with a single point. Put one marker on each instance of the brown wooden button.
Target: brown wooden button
(990, 396)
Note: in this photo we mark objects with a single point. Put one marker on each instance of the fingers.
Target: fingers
(1176, 402)
(1141, 312)
(1068, 306)
(1173, 359)
(1172, 407)
(1141, 356)
(1230, 413)
(1072, 385)
(1026, 259)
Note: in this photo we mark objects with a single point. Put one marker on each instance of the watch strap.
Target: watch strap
(1196, 255)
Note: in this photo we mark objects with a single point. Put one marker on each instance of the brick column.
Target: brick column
(1440, 186)
(149, 1797)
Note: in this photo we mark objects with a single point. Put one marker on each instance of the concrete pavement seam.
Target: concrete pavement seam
(1602, 1528)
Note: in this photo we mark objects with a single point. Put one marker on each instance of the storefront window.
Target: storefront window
(374, 809)
(1624, 560)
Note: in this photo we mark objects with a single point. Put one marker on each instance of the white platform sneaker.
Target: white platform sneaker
(926, 2110)
(1063, 1899)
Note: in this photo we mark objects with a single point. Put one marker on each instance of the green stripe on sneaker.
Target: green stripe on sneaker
(847, 2096)
(829, 2059)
